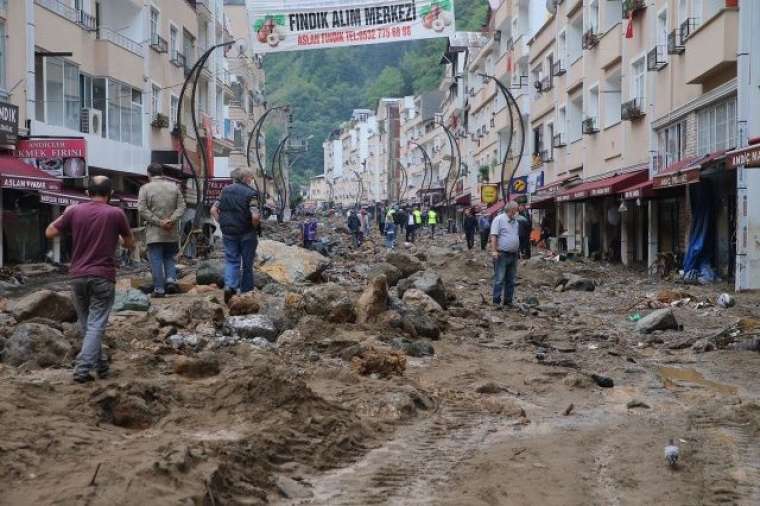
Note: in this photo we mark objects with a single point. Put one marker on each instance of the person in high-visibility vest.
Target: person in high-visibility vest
(432, 221)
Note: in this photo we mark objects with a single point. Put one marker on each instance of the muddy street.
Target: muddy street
(368, 377)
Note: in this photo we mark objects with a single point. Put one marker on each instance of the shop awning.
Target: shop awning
(18, 175)
(638, 191)
(464, 200)
(554, 186)
(680, 173)
(495, 208)
(127, 201)
(541, 202)
(706, 160)
(748, 156)
(605, 186)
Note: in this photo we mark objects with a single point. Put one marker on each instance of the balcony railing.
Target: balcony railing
(546, 156)
(631, 110)
(77, 16)
(558, 68)
(633, 6)
(687, 28)
(675, 46)
(120, 40)
(87, 21)
(159, 44)
(588, 127)
(590, 39)
(656, 58)
(178, 59)
(546, 84)
(558, 141)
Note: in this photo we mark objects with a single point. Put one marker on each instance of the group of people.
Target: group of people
(480, 223)
(409, 220)
(98, 228)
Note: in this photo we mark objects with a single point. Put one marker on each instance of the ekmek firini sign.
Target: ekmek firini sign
(294, 25)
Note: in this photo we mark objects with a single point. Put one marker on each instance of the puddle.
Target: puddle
(669, 375)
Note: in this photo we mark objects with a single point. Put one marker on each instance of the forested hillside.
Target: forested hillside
(325, 86)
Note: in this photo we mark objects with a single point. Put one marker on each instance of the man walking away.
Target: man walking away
(401, 219)
(364, 218)
(390, 230)
(470, 226)
(309, 233)
(238, 218)
(505, 245)
(432, 222)
(381, 215)
(484, 225)
(95, 228)
(161, 206)
(524, 220)
(411, 227)
(417, 219)
(354, 225)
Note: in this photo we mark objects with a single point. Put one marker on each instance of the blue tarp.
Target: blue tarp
(697, 265)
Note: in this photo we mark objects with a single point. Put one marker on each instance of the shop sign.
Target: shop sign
(679, 179)
(215, 187)
(519, 185)
(633, 194)
(8, 124)
(579, 195)
(57, 157)
(749, 157)
(600, 192)
(298, 25)
(489, 193)
(60, 200)
(27, 183)
(563, 198)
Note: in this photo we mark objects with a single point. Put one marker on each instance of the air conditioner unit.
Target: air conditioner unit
(91, 121)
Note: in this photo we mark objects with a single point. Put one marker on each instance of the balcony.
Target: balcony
(632, 7)
(178, 59)
(688, 27)
(589, 126)
(546, 84)
(590, 39)
(159, 44)
(120, 40)
(77, 16)
(712, 47)
(631, 110)
(547, 155)
(203, 8)
(675, 46)
(656, 59)
(558, 68)
(558, 141)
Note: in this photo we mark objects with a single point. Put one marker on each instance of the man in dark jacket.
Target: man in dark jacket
(484, 225)
(470, 226)
(354, 225)
(523, 219)
(239, 219)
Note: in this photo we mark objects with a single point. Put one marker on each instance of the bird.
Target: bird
(671, 453)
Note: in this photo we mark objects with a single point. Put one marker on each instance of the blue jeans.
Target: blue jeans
(93, 300)
(390, 240)
(505, 273)
(163, 265)
(239, 252)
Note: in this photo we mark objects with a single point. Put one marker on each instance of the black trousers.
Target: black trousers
(484, 240)
(411, 233)
(470, 236)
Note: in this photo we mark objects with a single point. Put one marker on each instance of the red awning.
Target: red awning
(464, 200)
(127, 201)
(541, 203)
(638, 191)
(554, 185)
(707, 159)
(495, 208)
(602, 187)
(17, 174)
(679, 173)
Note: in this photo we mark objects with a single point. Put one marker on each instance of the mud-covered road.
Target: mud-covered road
(342, 403)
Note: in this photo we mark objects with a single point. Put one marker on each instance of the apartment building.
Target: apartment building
(97, 87)
(633, 103)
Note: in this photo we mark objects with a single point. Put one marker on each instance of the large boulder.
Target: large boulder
(662, 319)
(404, 262)
(420, 299)
(251, 326)
(7, 324)
(574, 282)
(373, 301)
(44, 304)
(130, 300)
(210, 273)
(392, 274)
(38, 345)
(245, 303)
(331, 301)
(418, 324)
(290, 264)
(428, 282)
(174, 315)
(181, 313)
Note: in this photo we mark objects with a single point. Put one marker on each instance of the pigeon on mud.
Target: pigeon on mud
(671, 453)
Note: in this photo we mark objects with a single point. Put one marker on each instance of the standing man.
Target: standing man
(95, 228)
(381, 215)
(411, 227)
(239, 219)
(161, 206)
(432, 222)
(354, 225)
(484, 225)
(470, 226)
(524, 220)
(365, 221)
(505, 246)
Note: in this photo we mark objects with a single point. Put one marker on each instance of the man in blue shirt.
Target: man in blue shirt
(505, 246)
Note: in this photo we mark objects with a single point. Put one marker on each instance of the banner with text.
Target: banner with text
(297, 25)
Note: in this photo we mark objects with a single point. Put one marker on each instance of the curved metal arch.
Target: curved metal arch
(277, 159)
(455, 162)
(428, 167)
(256, 134)
(404, 184)
(361, 188)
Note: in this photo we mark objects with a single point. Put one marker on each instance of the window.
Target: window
(124, 113)
(99, 99)
(173, 46)
(173, 111)
(592, 17)
(575, 40)
(72, 104)
(717, 127)
(85, 90)
(561, 121)
(672, 144)
(538, 140)
(61, 93)
(155, 100)
(662, 33)
(2, 55)
(153, 26)
(562, 47)
(535, 79)
(549, 64)
(575, 118)
(612, 10)
(549, 141)
(188, 47)
(593, 103)
(638, 80)
(613, 99)
(683, 11)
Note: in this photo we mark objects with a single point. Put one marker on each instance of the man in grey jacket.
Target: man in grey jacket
(161, 206)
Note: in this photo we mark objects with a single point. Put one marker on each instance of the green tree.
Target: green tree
(390, 83)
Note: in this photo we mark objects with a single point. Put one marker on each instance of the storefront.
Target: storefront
(634, 209)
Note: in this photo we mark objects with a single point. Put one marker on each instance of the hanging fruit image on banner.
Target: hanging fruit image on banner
(317, 24)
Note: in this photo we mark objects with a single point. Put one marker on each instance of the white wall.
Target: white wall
(337, 158)
(124, 17)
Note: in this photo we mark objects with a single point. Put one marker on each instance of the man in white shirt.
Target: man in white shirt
(505, 245)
